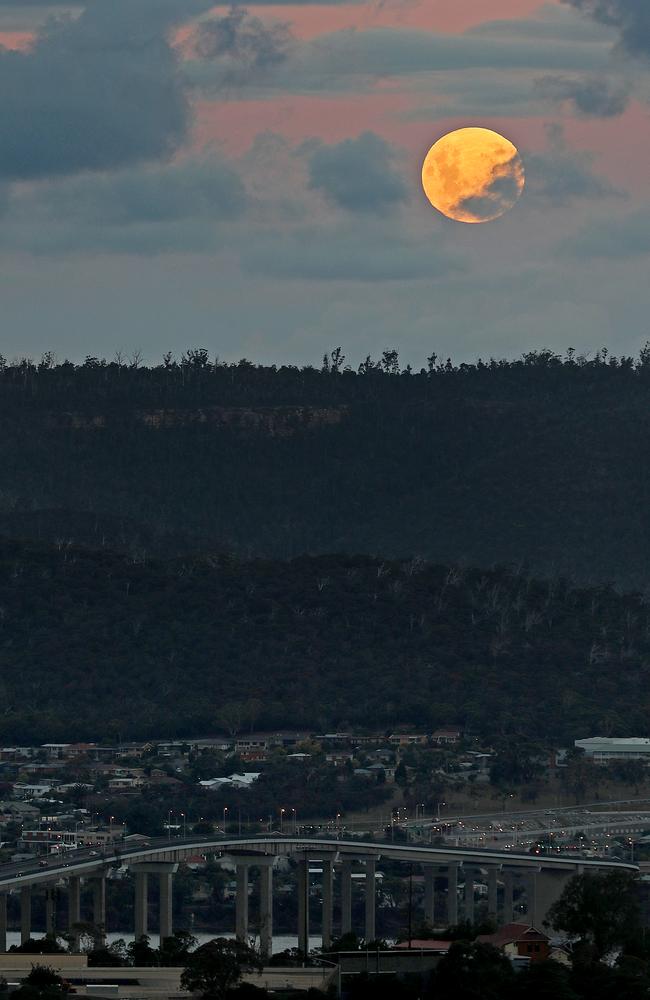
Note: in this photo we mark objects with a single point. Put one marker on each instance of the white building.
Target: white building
(602, 749)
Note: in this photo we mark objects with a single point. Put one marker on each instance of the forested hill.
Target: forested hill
(94, 644)
(543, 461)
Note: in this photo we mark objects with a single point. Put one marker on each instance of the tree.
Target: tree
(473, 972)
(175, 950)
(141, 953)
(544, 981)
(600, 912)
(217, 967)
(42, 983)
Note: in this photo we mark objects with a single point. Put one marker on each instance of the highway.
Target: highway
(88, 861)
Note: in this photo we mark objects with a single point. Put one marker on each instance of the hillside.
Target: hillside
(542, 461)
(96, 645)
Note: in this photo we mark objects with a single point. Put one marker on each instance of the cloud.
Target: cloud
(631, 17)
(241, 47)
(358, 174)
(100, 91)
(346, 253)
(178, 208)
(592, 96)
(561, 174)
(614, 239)
(352, 59)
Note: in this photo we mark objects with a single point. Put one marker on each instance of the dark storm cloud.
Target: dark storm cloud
(594, 96)
(176, 208)
(499, 196)
(369, 254)
(96, 92)
(358, 174)
(631, 17)
(614, 239)
(243, 46)
(562, 174)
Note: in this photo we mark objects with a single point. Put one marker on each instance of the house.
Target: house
(244, 780)
(519, 941)
(125, 784)
(25, 791)
(426, 944)
(253, 743)
(408, 739)
(447, 737)
(339, 757)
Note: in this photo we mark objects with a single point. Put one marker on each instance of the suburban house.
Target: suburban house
(447, 737)
(519, 941)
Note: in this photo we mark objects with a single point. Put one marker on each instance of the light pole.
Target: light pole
(438, 804)
(295, 821)
(281, 822)
(184, 825)
(225, 812)
(169, 824)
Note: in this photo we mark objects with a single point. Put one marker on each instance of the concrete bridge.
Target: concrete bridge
(544, 878)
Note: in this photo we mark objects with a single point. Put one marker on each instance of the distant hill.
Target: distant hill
(543, 461)
(100, 645)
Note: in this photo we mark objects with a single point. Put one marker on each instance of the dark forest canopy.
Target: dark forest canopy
(542, 460)
(95, 645)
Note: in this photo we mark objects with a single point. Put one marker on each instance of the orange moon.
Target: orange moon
(473, 175)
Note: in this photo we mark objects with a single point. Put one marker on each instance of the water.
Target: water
(280, 943)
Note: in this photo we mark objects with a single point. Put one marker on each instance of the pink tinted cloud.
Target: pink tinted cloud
(308, 21)
(432, 15)
(19, 41)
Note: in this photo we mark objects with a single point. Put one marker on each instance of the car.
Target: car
(42, 864)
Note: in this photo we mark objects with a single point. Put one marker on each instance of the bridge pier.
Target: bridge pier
(328, 876)
(371, 871)
(99, 909)
(266, 909)
(303, 905)
(346, 897)
(493, 893)
(549, 886)
(165, 921)
(25, 913)
(165, 871)
(3, 921)
(50, 911)
(430, 895)
(508, 897)
(452, 894)
(74, 908)
(241, 904)
(141, 908)
(468, 894)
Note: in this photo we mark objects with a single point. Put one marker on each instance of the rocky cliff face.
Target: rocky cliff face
(277, 421)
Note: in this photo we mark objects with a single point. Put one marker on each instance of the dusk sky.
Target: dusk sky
(247, 178)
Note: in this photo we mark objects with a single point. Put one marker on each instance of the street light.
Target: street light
(438, 804)
(225, 810)
(295, 821)
(281, 822)
(184, 825)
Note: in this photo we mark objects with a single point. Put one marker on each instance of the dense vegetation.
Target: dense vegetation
(541, 460)
(96, 645)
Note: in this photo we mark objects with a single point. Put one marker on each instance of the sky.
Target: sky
(246, 178)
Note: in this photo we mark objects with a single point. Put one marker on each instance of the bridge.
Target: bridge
(543, 878)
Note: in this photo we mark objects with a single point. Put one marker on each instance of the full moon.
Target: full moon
(473, 175)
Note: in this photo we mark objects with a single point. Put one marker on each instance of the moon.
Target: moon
(473, 175)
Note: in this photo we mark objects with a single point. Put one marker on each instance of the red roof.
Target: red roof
(428, 944)
(511, 934)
